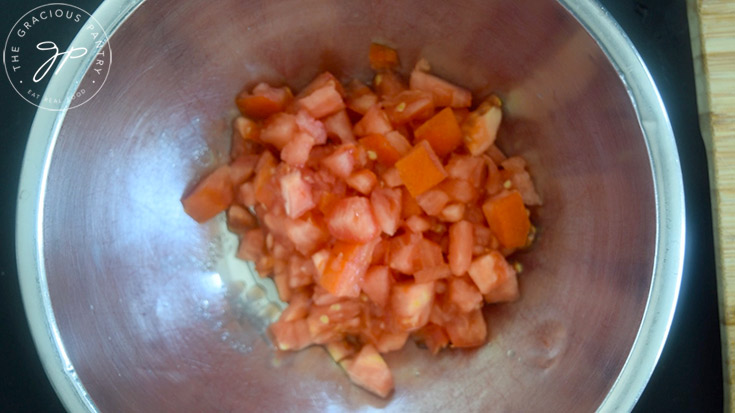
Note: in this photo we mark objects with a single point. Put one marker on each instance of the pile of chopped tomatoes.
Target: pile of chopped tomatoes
(381, 213)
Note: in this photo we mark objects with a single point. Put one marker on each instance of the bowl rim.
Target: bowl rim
(652, 117)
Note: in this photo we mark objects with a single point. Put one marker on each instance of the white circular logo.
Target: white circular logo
(40, 45)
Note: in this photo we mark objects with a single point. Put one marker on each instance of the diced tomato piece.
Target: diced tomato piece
(391, 177)
(360, 98)
(430, 254)
(461, 241)
(469, 168)
(411, 304)
(322, 80)
(388, 84)
(330, 322)
(420, 169)
(386, 203)
(322, 102)
(433, 336)
(298, 307)
(403, 255)
(281, 281)
(245, 135)
(398, 141)
(432, 273)
(443, 92)
(291, 335)
(484, 237)
(441, 131)
(453, 212)
(341, 162)
(391, 341)
(369, 371)
(242, 168)
(346, 265)
(305, 235)
(265, 170)
(301, 271)
(490, 271)
(481, 126)
(521, 180)
(433, 201)
(352, 220)
(362, 181)
(382, 57)
(296, 151)
(381, 149)
(495, 154)
(313, 127)
(338, 126)
(296, 194)
(464, 294)
(377, 283)
(459, 190)
(340, 350)
(409, 206)
(418, 224)
(239, 219)
(494, 181)
(252, 245)
(212, 195)
(374, 121)
(409, 106)
(467, 330)
(278, 129)
(507, 217)
(264, 101)
(246, 194)
(380, 252)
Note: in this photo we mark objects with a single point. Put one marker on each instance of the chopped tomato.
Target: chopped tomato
(411, 304)
(433, 336)
(291, 335)
(369, 371)
(467, 330)
(433, 201)
(264, 101)
(360, 98)
(374, 121)
(443, 92)
(409, 106)
(382, 57)
(377, 283)
(346, 265)
(323, 101)
(481, 126)
(239, 219)
(368, 239)
(441, 131)
(352, 220)
(420, 169)
(386, 203)
(362, 181)
(380, 149)
(278, 129)
(388, 84)
(338, 126)
(508, 219)
(211, 196)
(296, 193)
(461, 241)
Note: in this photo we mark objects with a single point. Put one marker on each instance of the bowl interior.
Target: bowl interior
(157, 315)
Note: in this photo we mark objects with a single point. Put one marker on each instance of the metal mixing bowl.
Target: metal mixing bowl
(135, 307)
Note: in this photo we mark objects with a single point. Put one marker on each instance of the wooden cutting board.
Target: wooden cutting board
(712, 28)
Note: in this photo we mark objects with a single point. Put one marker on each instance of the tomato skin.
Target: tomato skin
(212, 195)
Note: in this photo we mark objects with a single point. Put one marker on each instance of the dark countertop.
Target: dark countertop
(688, 377)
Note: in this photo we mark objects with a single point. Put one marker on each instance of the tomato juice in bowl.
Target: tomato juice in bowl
(138, 313)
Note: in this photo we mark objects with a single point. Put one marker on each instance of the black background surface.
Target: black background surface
(688, 377)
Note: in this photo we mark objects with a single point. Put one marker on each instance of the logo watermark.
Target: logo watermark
(40, 45)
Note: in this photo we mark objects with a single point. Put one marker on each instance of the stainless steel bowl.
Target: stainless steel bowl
(135, 307)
